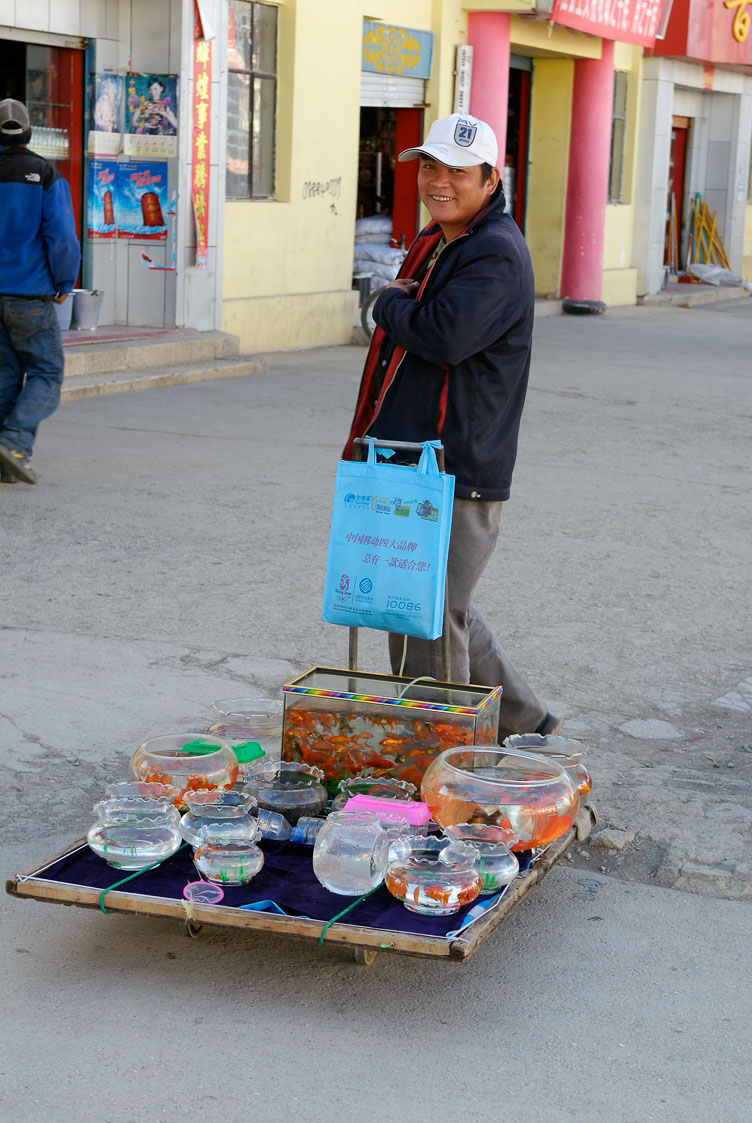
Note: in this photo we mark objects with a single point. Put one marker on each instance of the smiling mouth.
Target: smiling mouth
(443, 198)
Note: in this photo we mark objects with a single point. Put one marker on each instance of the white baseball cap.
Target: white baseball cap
(459, 141)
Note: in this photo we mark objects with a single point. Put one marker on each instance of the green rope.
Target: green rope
(131, 876)
(329, 923)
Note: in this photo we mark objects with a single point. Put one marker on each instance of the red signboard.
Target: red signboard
(710, 31)
(202, 53)
(625, 21)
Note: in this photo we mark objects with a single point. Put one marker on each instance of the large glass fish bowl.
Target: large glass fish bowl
(533, 798)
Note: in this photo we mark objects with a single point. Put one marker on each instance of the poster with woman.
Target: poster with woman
(105, 124)
(151, 115)
(142, 201)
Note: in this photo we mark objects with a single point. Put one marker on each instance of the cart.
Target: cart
(280, 898)
(59, 880)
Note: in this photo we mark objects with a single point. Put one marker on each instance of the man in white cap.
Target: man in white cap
(449, 361)
(39, 259)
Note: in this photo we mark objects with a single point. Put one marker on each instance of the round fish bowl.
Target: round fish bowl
(531, 797)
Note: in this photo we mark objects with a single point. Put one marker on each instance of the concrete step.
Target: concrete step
(93, 356)
(94, 385)
(690, 296)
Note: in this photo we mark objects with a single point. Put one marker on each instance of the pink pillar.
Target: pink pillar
(587, 182)
(488, 35)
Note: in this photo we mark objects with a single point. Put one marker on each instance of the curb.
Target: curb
(177, 377)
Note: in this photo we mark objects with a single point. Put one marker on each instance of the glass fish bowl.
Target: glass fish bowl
(140, 789)
(287, 788)
(531, 797)
(496, 863)
(434, 876)
(350, 854)
(186, 761)
(131, 834)
(226, 861)
(368, 783)
(230, 810)
(565, 751)
(250, 719)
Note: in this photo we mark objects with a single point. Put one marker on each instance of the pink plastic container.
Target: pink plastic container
(396, 810)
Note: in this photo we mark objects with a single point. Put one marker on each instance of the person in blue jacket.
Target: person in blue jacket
(39, 260)
(449, 360)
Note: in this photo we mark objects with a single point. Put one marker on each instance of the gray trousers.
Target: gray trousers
(475, 653)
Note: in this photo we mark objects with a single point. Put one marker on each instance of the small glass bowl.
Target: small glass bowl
(287, 787)
(226, 862)
(350, 854)
(433, 876)
(187, 761)
(250, 719)
(140, 789)
(366, 783)
(230, 810)
(134, 845)
(565, 751)
(137, 810)
(496, 863)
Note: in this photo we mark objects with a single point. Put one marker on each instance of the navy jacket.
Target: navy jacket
(39, 250)
(453, 362)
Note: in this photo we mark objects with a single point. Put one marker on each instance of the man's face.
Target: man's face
(453, 196)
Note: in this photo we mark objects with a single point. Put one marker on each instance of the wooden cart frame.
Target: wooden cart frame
(362, 941)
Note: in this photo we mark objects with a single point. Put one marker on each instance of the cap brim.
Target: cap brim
(450, 154)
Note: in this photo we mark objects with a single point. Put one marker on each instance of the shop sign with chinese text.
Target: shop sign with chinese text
(401, 51)
(711, 31)
(625, 21)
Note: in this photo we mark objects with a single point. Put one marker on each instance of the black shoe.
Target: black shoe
(549, 726)
(6, 478)
(16, 464)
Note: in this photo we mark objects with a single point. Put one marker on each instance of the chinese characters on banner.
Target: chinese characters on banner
(201, 142)
(628, 21)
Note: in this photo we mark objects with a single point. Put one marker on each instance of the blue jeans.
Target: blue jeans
(31, 368)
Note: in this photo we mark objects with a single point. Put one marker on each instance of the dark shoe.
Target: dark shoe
(6, 478)
(549, 726)
(17, 464)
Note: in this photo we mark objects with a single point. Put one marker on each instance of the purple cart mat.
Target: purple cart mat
(287, 878)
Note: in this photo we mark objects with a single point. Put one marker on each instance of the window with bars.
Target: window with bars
(251, 99)
(618, 137)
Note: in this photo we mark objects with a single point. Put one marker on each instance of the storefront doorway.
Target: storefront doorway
(518, 130)
(384, 185)
(49, 81)
(676, 236)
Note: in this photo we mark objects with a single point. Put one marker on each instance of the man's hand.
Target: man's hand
(60, 298)
(408, 286)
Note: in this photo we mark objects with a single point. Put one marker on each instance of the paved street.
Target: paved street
(173, 553)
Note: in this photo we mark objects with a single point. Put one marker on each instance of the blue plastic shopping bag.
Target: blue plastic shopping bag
(388, 545)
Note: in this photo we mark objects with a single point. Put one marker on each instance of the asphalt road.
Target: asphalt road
(173, 554)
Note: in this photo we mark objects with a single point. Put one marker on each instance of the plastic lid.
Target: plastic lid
(413, 812)
(199, 748)
(248, 751)
(203, 893)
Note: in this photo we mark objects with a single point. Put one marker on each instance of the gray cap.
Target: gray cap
(14, 117)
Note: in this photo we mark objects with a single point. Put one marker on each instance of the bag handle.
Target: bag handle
(435, 465)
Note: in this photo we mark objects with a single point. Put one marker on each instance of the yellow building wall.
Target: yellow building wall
(288, 261)
(620, 279)
(548, 161)
(747, 249)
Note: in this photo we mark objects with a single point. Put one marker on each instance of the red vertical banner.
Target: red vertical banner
(202, 57)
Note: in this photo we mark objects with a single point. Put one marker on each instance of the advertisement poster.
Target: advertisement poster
(101, 203)
(201, 145)
(106, 124)
(151, 115)
(142, 201)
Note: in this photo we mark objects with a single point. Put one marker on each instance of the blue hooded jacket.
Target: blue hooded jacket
(39, 250)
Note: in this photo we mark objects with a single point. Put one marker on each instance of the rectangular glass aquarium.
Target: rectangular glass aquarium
(346, 722)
